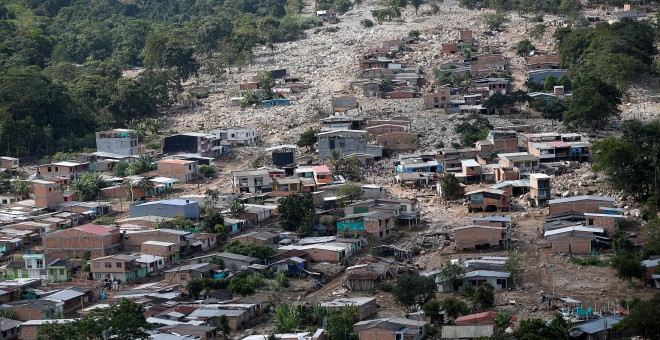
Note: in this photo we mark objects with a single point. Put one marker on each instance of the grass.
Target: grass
(592, 261)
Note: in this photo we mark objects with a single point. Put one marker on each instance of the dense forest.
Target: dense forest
(61, 61)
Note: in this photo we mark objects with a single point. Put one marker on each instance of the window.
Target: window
(108, 264)
(184, 277)
(61, 271)
(49, 169)
(97, 264)
(118, 264)
(40, 264)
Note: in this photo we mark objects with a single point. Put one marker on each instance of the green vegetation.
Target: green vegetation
(260, 251)
(495, 21)
(62, 61)
(643, 319)
(297, 213)
(308, 138)
(589, 261)
(631, 163)
(472, 132)
(523, 48)
(482, 297)
(349, 193)
(413, 291)
(290, 318)
(88, 185)
(450, 186)
(123, 321)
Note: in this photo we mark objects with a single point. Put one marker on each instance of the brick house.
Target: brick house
(610, 223)
(47, 194)
(66, 170)
(391, 329)
(578, 240)
(437, 100)
(504, 141)
(197, 331)
(35, 309)
(376, 223)
(168, 250)
(488, 200)
(182, 274)
(97, 239)
(133, 240)
(367, 306)
(117, 267)
(583, 204)
(479, 237)
(28, 330)
(449, 48)
(180, 169)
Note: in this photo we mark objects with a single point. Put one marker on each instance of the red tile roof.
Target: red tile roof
(100, 230)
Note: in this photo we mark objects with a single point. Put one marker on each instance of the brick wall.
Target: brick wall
(578, 206)
(406, 140)
(470, 237)
(572, 245)
(160, 250)
(73, 242)
(322, 255)
(133, 241)
(379, 130)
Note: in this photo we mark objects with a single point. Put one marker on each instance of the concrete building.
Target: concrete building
(251, 181)
(539, 189)
(347, 142)
(182, 274)
(117, 267)
(230, 260)
(580, 204)
(8, 162)
(47, 194)
(97, 239)
(167, 208)
(184, 171)
(437, 100)
(122, 142)
(63, 170)
(378, 224)
(481, 237)
(237, 135)
(203, 144)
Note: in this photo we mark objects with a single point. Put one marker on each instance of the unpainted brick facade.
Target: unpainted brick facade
(73, 242)
(583, 206)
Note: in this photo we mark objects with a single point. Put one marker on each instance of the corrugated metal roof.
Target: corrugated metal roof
(493, 219)
(465, 332)
(64, 295)
(573, 228)
(591, 327)
(581, 198)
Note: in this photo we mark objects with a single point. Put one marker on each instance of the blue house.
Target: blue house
(167, 208)
(275, 102)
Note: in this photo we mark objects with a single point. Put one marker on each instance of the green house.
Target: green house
(16, 270)
(60, 270)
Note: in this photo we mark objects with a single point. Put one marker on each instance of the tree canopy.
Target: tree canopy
(413, 291)
(297, 213)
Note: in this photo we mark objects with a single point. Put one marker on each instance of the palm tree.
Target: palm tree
(336, 159)
(561, 327)
(20, 187)
(502, 322)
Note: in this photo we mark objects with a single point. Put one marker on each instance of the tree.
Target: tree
(340, 323)
(565, 82)
(589, 108)
(20, 187)
(628, 267)
(533, 329)
(631, 163)
(308, 138)
(366, 23)
(88, 185)
(223, 326)
(512, 265)
(497, 101)
(450, 185)
(349, 193)
(538, 31)
(194, 287)
(286, 318)
(549, 84)
(494, 21)
(483, 297)
(454, 307)
(296, 210)
(413, 291)
(472, 132)
(416, 4)
(207, 171)
(652, 239)
(260, 251)
(523, 48)
(336, 159)
(561, 328)
(502, 322)
(643, 319)
(432, 309)
(553, 109)
(236, 209)
(452, 274)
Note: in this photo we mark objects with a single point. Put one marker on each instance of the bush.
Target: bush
(366, 23)
(495, 21)
(386, 287)
(589, 261)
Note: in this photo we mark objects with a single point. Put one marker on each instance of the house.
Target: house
(373, 191)
(549, 152)
(167, 250)
(35, 265)
(504, 141)
(488, 200)
(539, 189)
(379, 224)
(275, 102)
(153, 263)
(41, 309)
(342, 123)
(256, 237)
(10, 329)
(132, 240)
(465, 36)
(167, 208)
(391, 328)
(230, 260)
(8, 162)
(652, 274)
(437, 100)
(182, 274)
(578, 240)
(292, 266)
(194, 331)
(182, 170)
(600, 329)
(251, 181)
(71, 299)
(496, 278)
(64, 170)
(542, 62)
(47, 194)
(203, 241)
(320, 334)
(122, 268)
(283, 155)
(60, 270)
(398, 141)
(333, 252)
(237, 135)
(257, 213)
(449, 48)
(122, 142)
(522, 161)
(346, 142)
(98, 240)
(367, 306)
(237, 317)
(286, 185)
(481, 237)
(368, 276)
(28, 330)
(581, 204)
(204, 144)
(322, 175)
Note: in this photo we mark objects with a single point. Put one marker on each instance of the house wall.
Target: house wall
(47, 195)
(126, 146)
(322, 255)
(380, 229)
(471, 237)
(133, 241)
(165, 210)
(572, 245)
(121, 191)
(501, 204)
(72, 242)
(343, 144)
(506, 145)
(183, 171)
(610, 224)
(25, 313)
(385, 128)
(168, 252)
(449, 48)
(583, 206)
(377, 334)
(398, 141)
